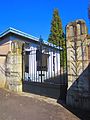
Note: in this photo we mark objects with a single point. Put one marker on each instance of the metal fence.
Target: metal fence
(44, 63)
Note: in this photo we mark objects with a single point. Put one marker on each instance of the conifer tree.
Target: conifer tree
(56, 32)
(56, 36)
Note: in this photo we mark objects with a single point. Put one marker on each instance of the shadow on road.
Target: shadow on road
(81, 114)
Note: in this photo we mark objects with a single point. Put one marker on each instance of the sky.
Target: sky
(34, 16)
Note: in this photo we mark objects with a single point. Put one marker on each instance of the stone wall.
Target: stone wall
(11, 65)
(78, 94)
(14, 67)
(4, 50)
(2, 71)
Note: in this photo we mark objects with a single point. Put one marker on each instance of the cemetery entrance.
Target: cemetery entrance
(43, 73)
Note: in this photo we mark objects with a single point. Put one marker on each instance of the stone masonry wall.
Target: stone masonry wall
(78, 94)
(11, 65)
(14, 68)
(4, 49)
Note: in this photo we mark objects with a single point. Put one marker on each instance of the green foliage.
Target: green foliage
(56, 32)
(56, 36)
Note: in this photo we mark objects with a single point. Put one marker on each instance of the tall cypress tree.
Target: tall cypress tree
(56, 32)
(56, 36)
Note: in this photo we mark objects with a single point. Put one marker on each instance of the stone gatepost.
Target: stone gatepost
(14, 67)
(78, 63)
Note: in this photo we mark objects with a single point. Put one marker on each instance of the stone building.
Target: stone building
(78, 64)
(20, 59)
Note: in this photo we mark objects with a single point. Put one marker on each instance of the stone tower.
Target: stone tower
(78, 64)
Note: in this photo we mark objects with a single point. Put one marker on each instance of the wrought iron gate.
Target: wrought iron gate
(42, 66)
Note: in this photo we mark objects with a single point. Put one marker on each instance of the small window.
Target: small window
(71, 31)
(82, 29)
(78, 29)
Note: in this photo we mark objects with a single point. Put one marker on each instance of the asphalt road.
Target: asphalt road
(31, 107)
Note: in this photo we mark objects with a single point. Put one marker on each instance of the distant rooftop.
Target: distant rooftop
(18, 32)
(23, 34)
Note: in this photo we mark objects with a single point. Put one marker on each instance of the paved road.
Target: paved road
(31, 107)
